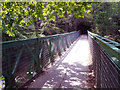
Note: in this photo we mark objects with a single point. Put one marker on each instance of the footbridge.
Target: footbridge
(69, 60)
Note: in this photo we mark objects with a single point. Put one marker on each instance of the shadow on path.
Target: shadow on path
(71, 71)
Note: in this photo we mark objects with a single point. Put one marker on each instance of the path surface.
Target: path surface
(72, 71)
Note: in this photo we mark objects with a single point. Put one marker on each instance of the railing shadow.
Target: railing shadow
(64, 75)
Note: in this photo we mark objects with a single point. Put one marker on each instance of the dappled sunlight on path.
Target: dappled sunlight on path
(80, 53)
(71, 71)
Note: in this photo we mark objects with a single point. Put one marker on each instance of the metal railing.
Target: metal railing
(23, 59)
(106, 61)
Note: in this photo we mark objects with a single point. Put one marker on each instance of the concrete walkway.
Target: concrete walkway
(71, 71)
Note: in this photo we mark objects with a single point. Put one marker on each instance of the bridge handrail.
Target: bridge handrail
(112, 48)
(7, 44)
(30, 56)
(106, 61)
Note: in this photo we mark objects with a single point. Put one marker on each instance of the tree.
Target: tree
(14, 13)
(105, 19)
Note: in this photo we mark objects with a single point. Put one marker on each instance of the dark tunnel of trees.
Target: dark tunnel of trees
(101, 18)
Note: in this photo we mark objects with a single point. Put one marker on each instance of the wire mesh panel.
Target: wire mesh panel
(23, 59)
(106, 71)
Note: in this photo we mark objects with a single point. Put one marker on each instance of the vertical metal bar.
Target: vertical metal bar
(9, 78)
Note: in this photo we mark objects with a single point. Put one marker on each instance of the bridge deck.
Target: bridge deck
(71, 71)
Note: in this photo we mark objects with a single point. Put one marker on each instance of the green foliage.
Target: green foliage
(14, 13)
(2, 81)
(59, 8)
(105, 19)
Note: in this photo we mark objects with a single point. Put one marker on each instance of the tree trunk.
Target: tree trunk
(36, 28)
(75, 22)
(56, 19)
(66, 24)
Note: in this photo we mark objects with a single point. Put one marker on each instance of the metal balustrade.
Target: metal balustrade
(106, 61)
(23, 59)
